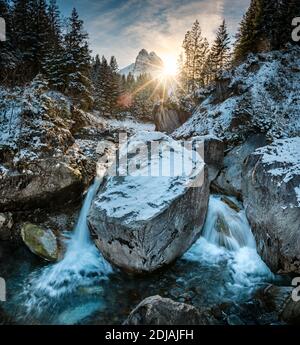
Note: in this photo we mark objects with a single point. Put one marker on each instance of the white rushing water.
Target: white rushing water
(227, 237)
(227, 247)
(81, 266)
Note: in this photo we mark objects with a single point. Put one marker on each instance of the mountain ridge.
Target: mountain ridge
(145, 63)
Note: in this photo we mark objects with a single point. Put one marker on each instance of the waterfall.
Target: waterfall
(81, 237)
(227, 237)
(81, 266)
(225, 227)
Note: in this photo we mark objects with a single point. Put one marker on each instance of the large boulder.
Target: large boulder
(145, 221)
(41, 242)
(271, 191)
(229, 181)
(163, 311)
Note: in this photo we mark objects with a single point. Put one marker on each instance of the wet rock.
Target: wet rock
(47, 182)
(233, 205)
(271, 190)
(222, 227)
(6, 225)
(41, 242)
(212, 149)
(163, 311)
(143, 223)
(229, 181)
(279, 299)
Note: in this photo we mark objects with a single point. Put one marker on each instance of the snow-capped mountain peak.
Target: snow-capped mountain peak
(146, 63)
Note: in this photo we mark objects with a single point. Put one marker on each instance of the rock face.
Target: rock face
(163, 311)
(41, 242)
(146, 63)
(250, 98)
(6, 224)
(271, 190)
(211, 149)
(213, 154)
(46, 183)
(40, 164)
(168, 119)
(229, 181)
(144, 222)
(279, 299)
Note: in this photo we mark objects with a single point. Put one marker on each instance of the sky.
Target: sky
(123, 27)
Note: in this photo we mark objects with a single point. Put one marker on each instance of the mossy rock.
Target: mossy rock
(41, 242)
(222, 227)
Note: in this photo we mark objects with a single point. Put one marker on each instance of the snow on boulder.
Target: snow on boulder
(271, 185)
(154, 209)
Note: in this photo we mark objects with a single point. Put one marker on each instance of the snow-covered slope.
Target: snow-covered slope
(261, 95)
(146, 63)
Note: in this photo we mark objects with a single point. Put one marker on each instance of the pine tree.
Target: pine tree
(24, 38)
(266, 26)
(53, 62)
(196, 49)
(220, 52)
(8, 60)
(288, 10)
(114, 85)
(182, 77)
(95, 70)
(41, 34)
(77, 63)
(247, 35)
(130, 82)
(102, 88)
(143, 97)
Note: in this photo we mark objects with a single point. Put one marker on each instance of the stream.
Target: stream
(221, 267)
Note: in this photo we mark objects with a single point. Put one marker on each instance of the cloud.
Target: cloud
(122, 28)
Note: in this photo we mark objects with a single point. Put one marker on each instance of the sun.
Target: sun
(170, 66)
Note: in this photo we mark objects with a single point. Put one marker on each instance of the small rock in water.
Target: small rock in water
(41, 242)
(231, 204)
(222, 226)
(163, 311)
